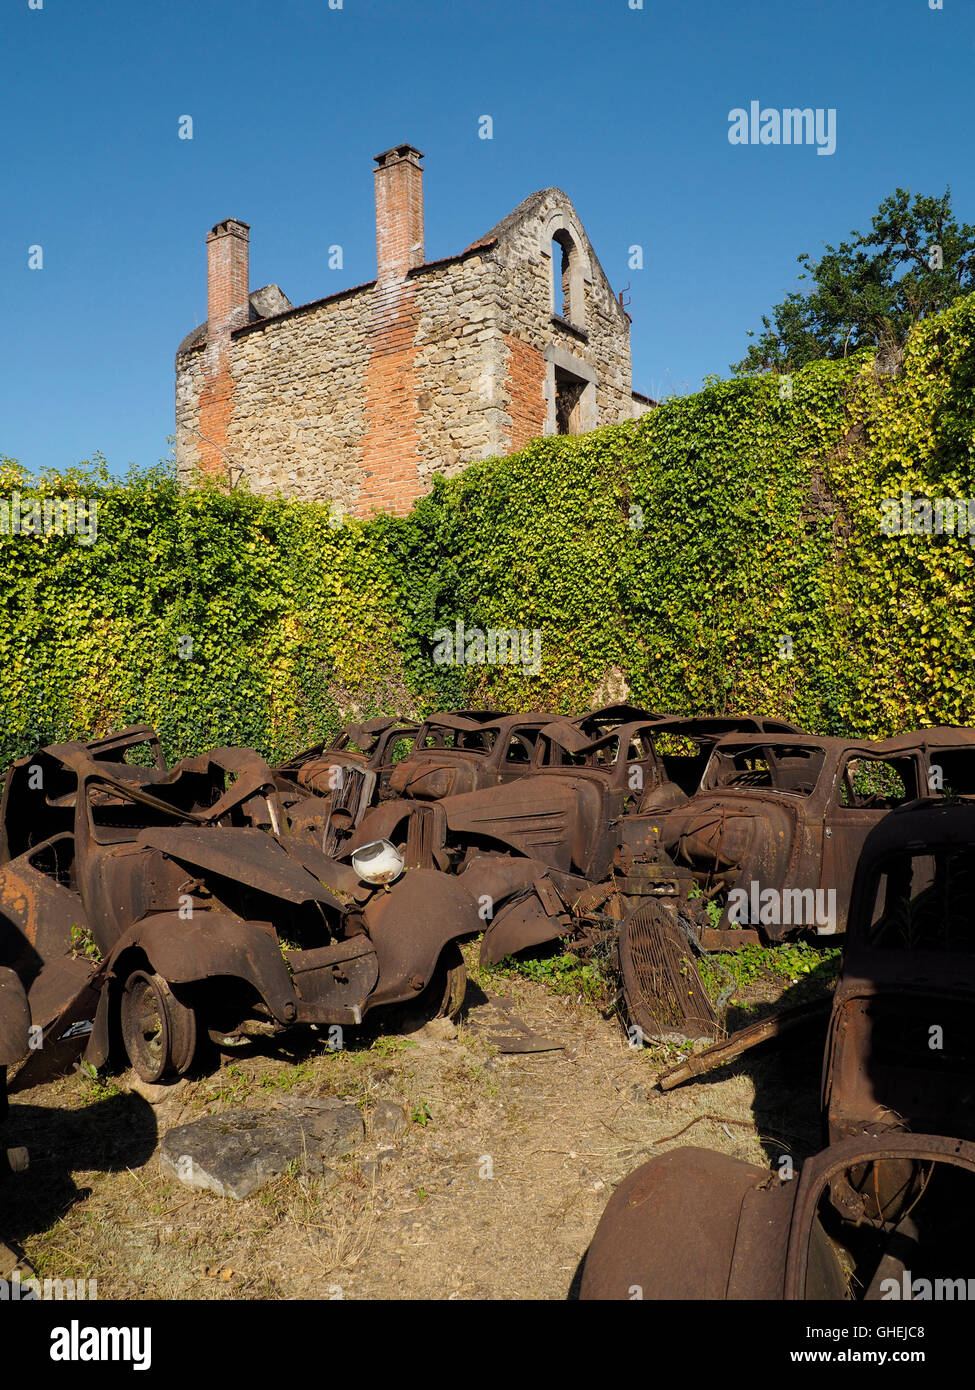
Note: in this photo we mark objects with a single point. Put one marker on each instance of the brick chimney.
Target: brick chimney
(227, 309)
(227, 277)
(399, 212)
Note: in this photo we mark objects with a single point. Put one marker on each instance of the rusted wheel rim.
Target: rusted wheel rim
(158, 1031)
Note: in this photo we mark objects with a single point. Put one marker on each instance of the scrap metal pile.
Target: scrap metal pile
(222, 895)
(885, 1210)
(147, 910)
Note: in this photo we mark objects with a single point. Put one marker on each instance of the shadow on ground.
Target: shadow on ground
(110, 1135)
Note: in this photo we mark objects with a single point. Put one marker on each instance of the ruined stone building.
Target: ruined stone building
(360, 397)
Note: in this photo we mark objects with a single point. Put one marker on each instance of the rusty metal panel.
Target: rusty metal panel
(670, 1228)
(244, 854)
(14, 1018)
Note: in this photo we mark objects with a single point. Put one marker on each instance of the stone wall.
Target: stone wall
(360, 398)
(596, 344)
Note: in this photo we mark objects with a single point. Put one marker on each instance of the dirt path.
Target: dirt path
(493, 1191)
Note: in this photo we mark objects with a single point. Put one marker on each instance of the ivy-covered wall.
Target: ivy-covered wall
(725, 553)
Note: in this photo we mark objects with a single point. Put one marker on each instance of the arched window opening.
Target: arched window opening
(562, 250)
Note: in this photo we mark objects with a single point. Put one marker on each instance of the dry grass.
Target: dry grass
(556, 1131)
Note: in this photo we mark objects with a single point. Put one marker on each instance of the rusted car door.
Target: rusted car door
(515, 750)
(394, 745)
(866, 787)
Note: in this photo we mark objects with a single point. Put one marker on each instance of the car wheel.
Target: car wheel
(159, 1032)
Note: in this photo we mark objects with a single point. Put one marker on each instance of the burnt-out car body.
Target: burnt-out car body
(900, 1052)
(465, 750)
(776, 828)
(654, 760)
(327, 789)
(867, 1219)
(555, 828)
(547, 851)
(165, 901)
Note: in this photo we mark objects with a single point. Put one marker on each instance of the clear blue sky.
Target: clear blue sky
(626, 109)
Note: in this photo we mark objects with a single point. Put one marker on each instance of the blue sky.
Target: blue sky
(626, 109)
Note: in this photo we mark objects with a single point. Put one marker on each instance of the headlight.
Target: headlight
(378, 862)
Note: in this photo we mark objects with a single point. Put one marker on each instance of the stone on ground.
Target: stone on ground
(235, 1152)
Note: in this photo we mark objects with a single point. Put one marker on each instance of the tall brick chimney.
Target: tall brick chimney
(227, 309)
(399, 211)
(227, 277)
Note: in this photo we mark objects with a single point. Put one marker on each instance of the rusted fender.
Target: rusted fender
(183, 952)
(410, 926)
(14, 1018)
(671, 1227)
(387, 821)
(539, 912)
(63, 1000)
(499, 877)
(432, 776)
(521, 924)
(539, 817)
(210, 944)
(538, 915)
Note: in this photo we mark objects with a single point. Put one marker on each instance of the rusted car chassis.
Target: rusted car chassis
(900, 1041)
(773, 845)
(777, 826)
(165, 902)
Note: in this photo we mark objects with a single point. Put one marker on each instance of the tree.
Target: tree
(871, 290)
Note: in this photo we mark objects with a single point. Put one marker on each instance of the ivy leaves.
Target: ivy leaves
(683, 548)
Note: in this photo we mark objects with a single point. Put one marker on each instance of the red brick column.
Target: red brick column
(227, 309)
(390, 444)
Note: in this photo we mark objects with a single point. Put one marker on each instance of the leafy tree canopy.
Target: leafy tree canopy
(870, 291)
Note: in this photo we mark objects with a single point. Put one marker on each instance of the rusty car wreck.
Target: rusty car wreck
(883, 1211)
(898, 1036)
(222, 895)
(775, 830)
(327, 789)
(867, 1219)
(901, 1044)
(161, 902)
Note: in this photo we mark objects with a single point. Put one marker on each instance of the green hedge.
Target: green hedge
(686, 550)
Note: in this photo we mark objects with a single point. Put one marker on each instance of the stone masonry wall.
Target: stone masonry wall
(527, 315)
(360, 398)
